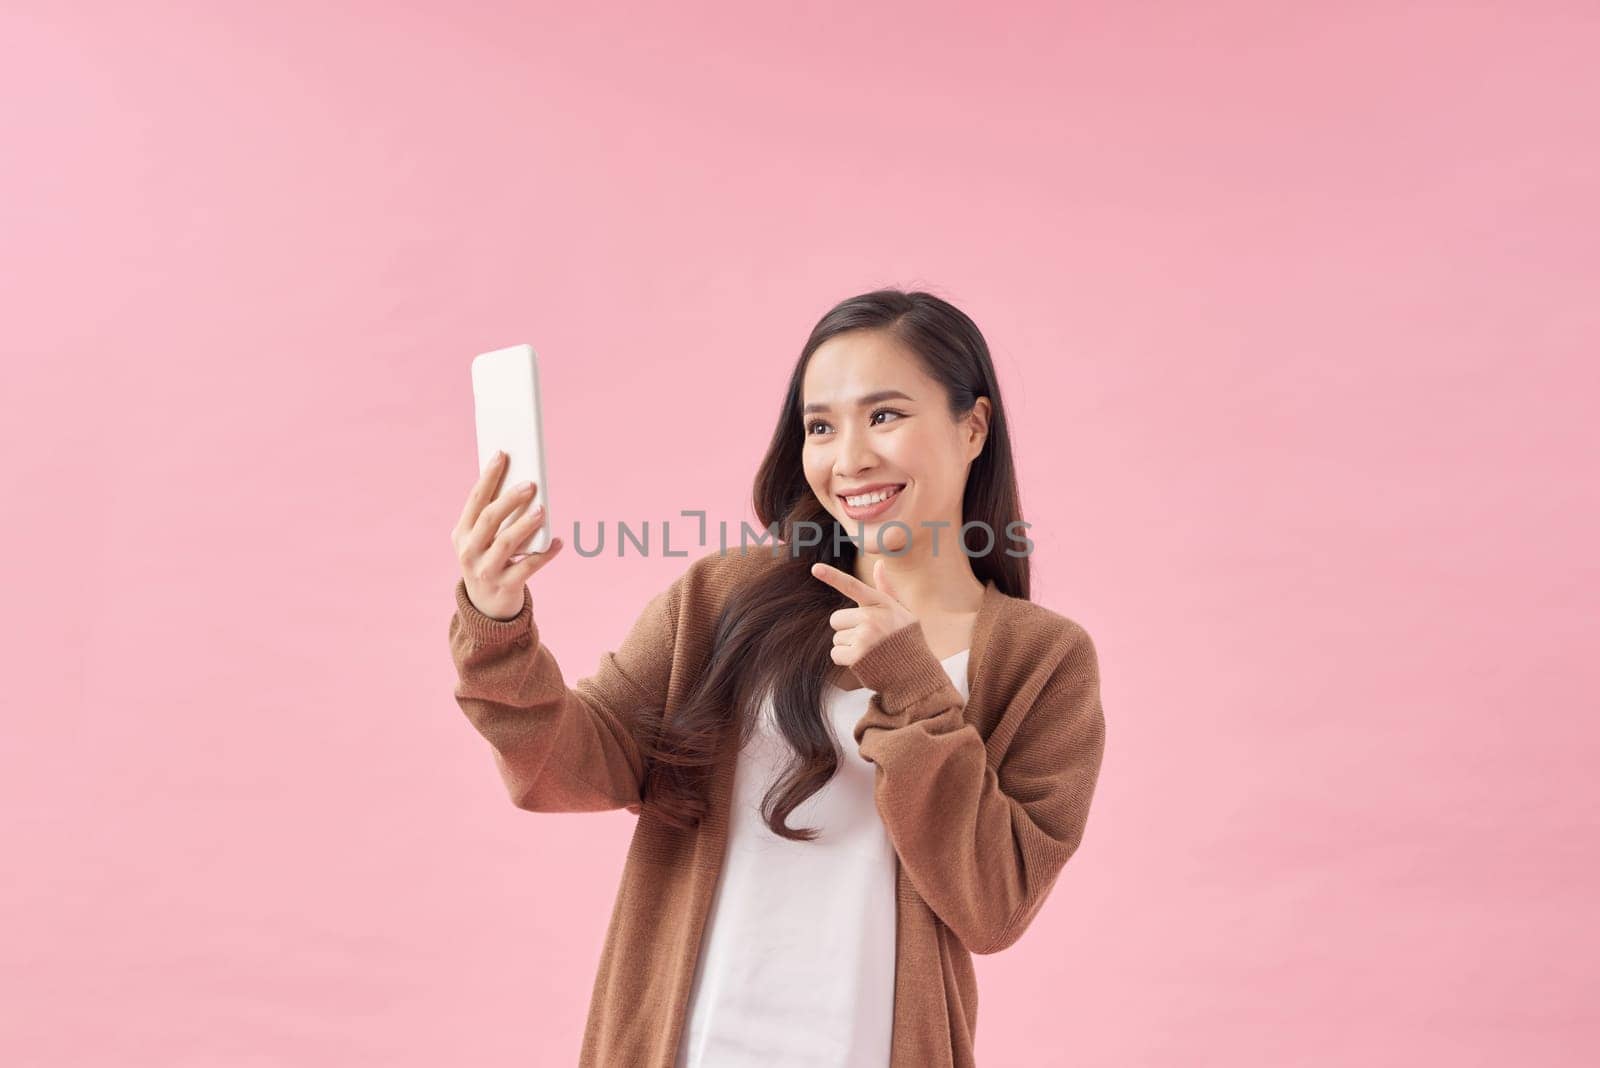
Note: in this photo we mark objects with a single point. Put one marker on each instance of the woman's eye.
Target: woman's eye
(811, 427)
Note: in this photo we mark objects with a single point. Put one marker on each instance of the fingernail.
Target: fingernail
(523, 487)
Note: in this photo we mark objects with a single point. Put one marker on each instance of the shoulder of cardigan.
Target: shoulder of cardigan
(995, 603)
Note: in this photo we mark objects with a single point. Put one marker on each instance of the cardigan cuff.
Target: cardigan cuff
(904, 672)
(487, 630)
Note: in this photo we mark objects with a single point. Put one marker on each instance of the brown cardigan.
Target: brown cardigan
(984, 801)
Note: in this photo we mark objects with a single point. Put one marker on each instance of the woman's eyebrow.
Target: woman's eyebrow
(861, 402)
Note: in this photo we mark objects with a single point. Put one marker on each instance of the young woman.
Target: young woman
(859, 752)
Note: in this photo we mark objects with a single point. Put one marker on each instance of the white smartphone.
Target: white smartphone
(505, 398)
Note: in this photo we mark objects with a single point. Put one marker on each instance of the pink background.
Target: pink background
(1294, 312)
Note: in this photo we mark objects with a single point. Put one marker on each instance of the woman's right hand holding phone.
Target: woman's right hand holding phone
(494, 581)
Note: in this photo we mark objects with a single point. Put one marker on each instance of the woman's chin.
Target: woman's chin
(876, 535)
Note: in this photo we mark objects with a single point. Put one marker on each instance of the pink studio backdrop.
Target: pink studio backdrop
(1294, 313)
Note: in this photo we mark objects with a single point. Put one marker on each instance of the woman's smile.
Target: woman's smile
(872, 504)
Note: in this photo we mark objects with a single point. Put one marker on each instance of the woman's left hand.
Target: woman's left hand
(856, 630)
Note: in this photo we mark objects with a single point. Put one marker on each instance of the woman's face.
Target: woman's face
(874, 420)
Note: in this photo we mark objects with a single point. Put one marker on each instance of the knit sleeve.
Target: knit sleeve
(560, 748)
(983, 846)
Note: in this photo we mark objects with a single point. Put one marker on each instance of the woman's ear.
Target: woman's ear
(977, 427)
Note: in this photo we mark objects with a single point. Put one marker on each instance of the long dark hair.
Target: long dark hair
(772, 636)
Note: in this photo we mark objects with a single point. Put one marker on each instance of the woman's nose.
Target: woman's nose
(855, 454)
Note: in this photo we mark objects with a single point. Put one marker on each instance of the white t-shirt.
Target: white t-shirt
(797, 967)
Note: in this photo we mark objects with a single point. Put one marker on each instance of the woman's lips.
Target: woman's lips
(872, 511)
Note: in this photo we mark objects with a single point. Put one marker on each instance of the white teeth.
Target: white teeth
(871, 498)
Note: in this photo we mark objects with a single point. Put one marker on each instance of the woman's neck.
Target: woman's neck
(935, 585)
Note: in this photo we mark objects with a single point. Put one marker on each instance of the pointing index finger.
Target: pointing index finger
(846, 584)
